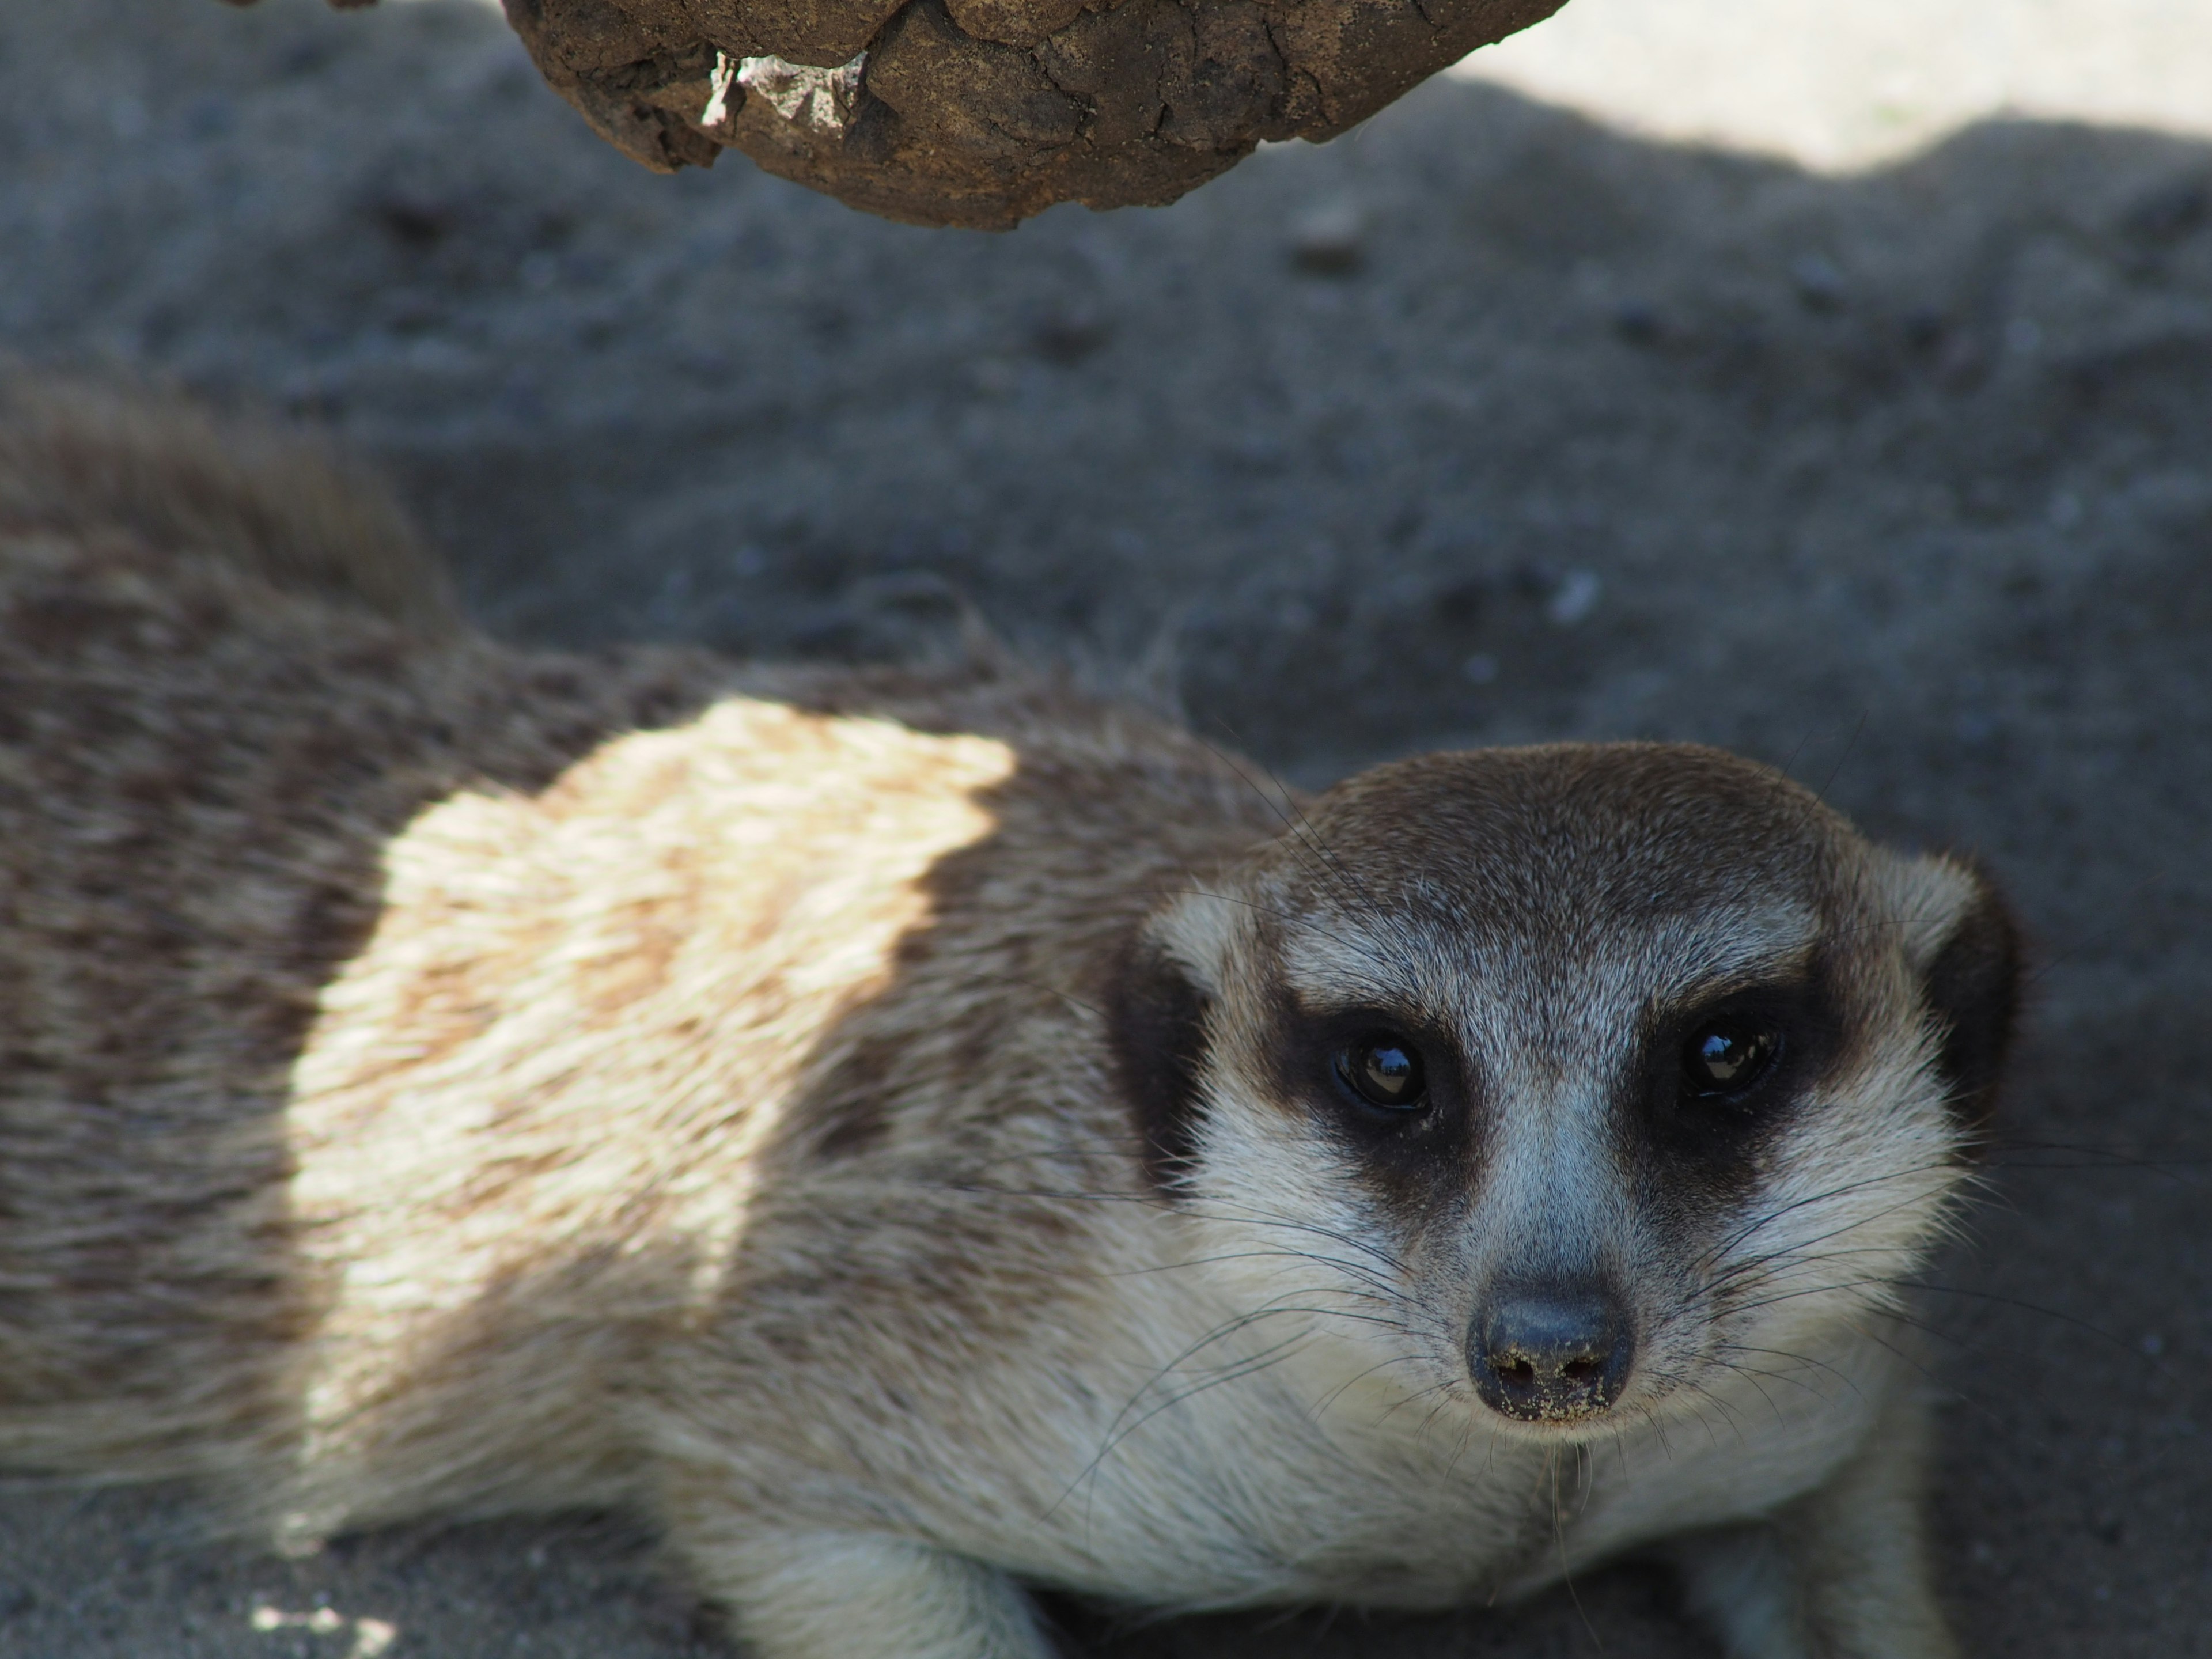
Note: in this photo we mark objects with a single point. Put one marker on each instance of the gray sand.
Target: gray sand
(1484, 424)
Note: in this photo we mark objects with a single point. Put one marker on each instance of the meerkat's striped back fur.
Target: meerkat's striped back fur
(906, 1132)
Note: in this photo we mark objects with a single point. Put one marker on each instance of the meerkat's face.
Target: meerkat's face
(1562, 1081)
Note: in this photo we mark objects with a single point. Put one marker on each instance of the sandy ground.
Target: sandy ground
(1836, 87)
(1861, 440)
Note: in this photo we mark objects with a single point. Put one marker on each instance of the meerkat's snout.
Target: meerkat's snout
(1558, 1347)
(1551, 1352)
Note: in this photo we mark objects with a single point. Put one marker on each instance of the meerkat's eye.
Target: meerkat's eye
(1724, 1057)
(1383, 1070)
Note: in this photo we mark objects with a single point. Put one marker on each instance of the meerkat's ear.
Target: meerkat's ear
(1157, 1017)
(1961, 940)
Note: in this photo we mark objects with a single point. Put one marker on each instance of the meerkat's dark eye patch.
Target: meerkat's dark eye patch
(1394, 1090)
(1722, 1070)
(1727, 1056)
(1158, 1019)
(1383, 1070)
(1391, 1086)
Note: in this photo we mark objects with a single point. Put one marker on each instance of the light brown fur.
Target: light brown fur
(440, 1079)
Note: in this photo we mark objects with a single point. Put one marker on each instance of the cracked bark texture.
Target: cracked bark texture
(981, 112)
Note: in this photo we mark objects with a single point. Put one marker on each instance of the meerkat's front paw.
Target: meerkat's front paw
(1772, 1592)
(1842, 1573)
(857, 1596)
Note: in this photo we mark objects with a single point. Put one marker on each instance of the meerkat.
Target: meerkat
(923, 1136)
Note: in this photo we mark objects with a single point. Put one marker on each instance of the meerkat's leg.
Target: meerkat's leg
(855, 1596)
(1840, 1574)
(1740, 1584)
(1860, 1546)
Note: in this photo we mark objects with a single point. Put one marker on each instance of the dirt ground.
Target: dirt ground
(1493, 421)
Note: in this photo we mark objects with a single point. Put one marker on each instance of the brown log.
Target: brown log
(981, 112)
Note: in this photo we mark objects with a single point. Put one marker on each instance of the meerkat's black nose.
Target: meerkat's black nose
(1550, 1354)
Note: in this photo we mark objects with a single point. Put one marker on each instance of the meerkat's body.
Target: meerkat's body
(863, 1120)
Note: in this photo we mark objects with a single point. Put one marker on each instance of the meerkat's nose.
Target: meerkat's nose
(1550, 1353)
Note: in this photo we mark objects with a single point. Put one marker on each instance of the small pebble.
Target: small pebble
(994, 377)
(1574, 598)
(540, 270)
(1820, 285)
(1329, 239)
(1925, 327)
(1638, 324)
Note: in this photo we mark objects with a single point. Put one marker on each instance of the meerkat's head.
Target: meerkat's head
(1560, 1080)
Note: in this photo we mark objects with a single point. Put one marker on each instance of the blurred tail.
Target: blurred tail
(82, 459)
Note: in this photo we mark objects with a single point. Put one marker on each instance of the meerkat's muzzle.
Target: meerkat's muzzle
(1550, 1353)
